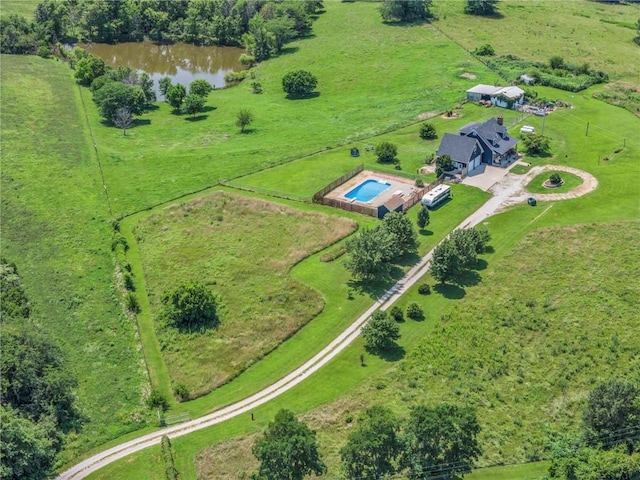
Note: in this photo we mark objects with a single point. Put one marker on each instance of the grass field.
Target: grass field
(26, 8)
(570, 180)
(243, 249)
(55, 227)
(579, 31)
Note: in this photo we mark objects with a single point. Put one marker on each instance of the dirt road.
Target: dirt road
(508, 191)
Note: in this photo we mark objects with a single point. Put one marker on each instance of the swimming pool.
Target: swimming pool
(367, 190)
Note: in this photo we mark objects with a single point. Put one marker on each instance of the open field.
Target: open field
(55, 227)
(243, 249)
(18, 7)
(407, 71)
(579, 31)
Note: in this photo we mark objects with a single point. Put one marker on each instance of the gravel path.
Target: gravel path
(508, 191)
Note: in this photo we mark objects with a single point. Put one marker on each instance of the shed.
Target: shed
(394, 204)
(481, 92)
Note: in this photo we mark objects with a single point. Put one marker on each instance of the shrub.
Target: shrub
(424, 289)
(299, 83)
(387, 152)
(247, 60)
(157, 400)
(256, 87)
(414, 311)
(170, 471)
(231, 77)
(131, 302)
(191, 305)
(127, 278)
(555, 179)
(181, 392)
(419, 183)
(396, 314)
(427, 131)
(119, 241)
(380, 332)
(485, 50)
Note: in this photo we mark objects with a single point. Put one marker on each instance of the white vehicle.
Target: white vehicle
(436, 196)
(527, 129)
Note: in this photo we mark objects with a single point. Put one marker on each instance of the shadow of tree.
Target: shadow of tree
(452, 292)
(303, 97)
(197, 118)
(392, 354)
(468, 278)
(425, 233)
(481, 264)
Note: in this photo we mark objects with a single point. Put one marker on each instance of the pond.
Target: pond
(182, 62)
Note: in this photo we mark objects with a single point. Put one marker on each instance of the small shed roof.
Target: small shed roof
(394, 202)
(484, 89)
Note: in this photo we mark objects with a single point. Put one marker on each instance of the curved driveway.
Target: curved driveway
(506, 192)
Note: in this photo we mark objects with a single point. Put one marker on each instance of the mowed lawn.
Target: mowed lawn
(371, 77)
(579, 31)
(26, 8)
(243, 249)
(55, 227)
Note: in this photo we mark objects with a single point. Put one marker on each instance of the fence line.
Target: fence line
(319, 195)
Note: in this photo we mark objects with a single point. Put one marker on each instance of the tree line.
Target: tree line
(262, 26)
(430, 442)
(37, 403)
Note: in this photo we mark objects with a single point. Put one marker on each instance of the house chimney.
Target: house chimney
(500, 120)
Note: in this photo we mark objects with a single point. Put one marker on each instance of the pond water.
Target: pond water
(182, 62)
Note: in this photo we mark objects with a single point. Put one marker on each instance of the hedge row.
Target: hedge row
(170, 471)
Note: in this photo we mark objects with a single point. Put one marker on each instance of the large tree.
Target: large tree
(89, 68)
(399, 226)
(380, 332)
(536, 144)
(288, 450)
(445, 264)
(191, 306)
(28, 448)
(299, 83)
(613, 408)
(480, 7)
(373, 447)
(370, 252)
(440, 442)
(405, 10)
(115, 95)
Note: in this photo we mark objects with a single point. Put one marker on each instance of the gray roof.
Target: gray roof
(496, 136)
(469, 127)
(459, 148)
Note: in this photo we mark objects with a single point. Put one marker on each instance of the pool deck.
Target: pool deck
(399, 186)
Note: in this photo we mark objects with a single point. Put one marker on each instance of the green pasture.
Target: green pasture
(578, 31)
(26, 8)
(570, 180)
(371, 78)
(55, 227)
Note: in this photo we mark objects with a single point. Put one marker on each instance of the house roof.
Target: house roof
(459, 148)
(495, 136)
(484, 89)
(509, 92)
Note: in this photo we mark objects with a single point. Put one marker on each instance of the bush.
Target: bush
(387, 152)
(414, 311)
(380, 332)
(247, 60)
(555, 179)
(299, 83)
(419, 183)
(485, 50)
(127, 278)
(427, 131)
(256, 87)
(191, 306)
(396, 314)
(131, 302)
(424, 289)
(181, 392)
(156, 400)
(231, 77)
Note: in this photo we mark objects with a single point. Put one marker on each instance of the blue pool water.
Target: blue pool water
(367, 190)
